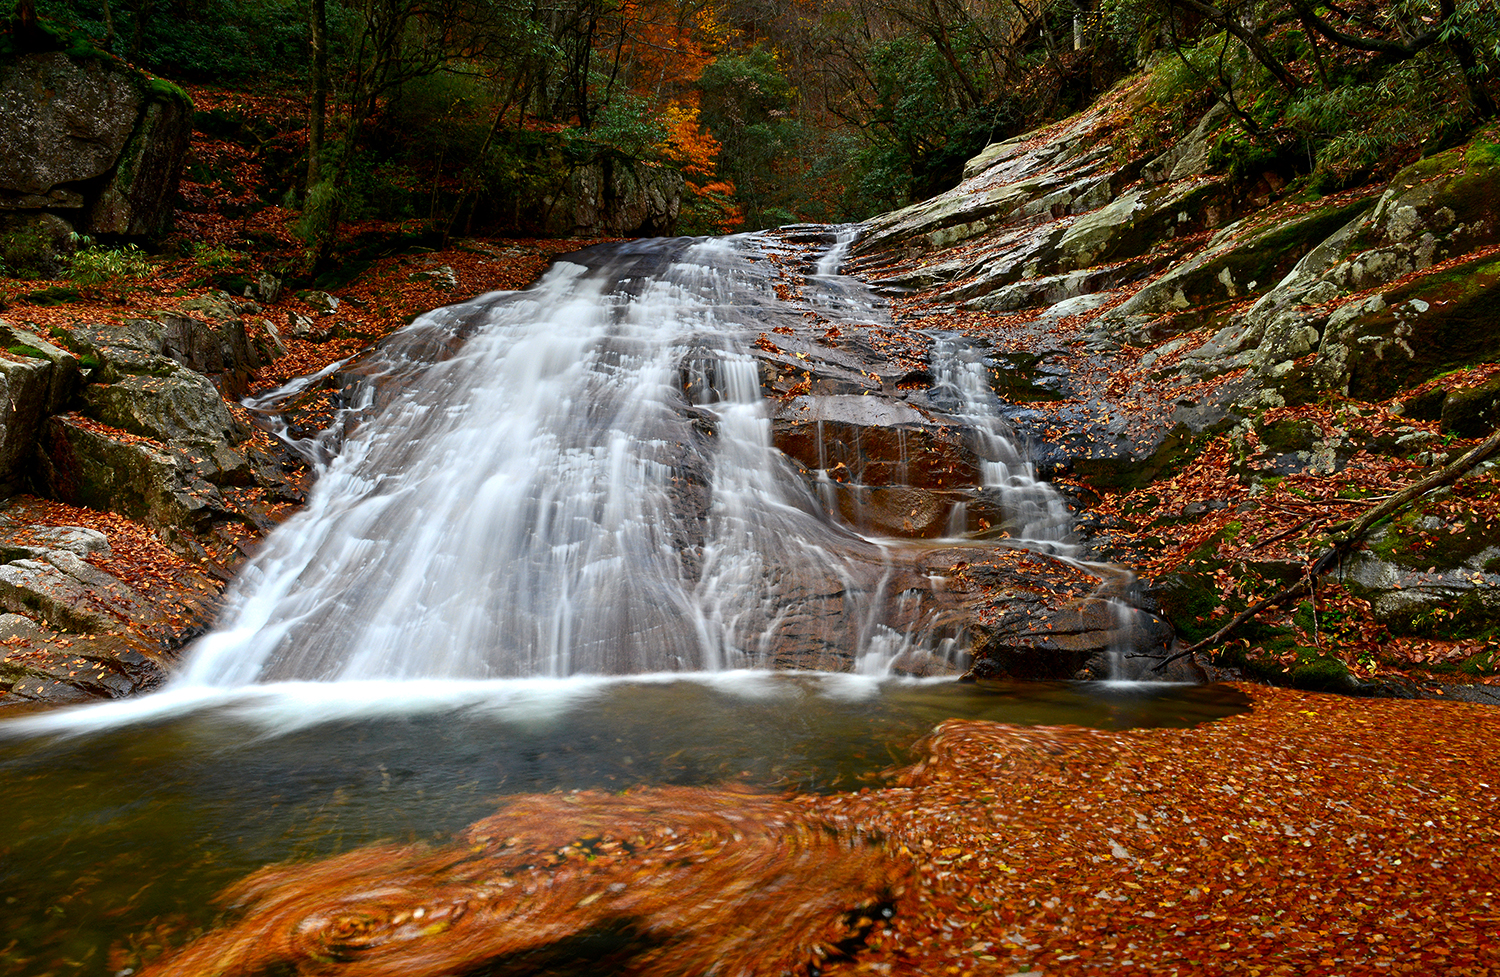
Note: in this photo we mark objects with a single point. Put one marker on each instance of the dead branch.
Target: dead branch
(1344, 540)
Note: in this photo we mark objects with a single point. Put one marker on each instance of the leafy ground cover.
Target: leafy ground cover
(1314, 835)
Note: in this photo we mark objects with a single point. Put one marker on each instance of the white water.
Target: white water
(521, 508)
(1035, 512)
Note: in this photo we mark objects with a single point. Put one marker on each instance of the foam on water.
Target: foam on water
(519, 507)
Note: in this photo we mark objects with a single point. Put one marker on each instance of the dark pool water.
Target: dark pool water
(125, 820)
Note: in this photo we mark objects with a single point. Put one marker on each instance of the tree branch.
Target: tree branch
(1344, 541)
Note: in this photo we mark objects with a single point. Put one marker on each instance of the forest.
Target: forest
(1062, 540)
(461, 116)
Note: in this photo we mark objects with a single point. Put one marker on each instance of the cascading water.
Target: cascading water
(1034, 511)
(585, 485)
(572, 480)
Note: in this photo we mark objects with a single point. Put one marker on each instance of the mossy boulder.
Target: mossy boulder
(174, 405)
(1472, 412)
(1243, 259)
(84, 465)
(90, 141)
(1375, 347)
(1430, 576)
(36, 380)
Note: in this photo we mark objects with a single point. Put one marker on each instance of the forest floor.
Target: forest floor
(1312, 835)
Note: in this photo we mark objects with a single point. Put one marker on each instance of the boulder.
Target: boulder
(174, 405)
(62, 121)
(67, 593)
(84, 465)
(36, 380)
(171, 344)
(1472, 412)
(138, 199)
(91, 142)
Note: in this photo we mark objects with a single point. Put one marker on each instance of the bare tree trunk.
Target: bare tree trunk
(317, 36)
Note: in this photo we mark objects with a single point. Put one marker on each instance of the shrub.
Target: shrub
(96, 265)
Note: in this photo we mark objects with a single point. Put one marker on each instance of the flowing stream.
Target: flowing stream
(586, 485)
(536, 514)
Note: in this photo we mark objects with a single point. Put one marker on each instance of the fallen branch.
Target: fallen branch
(1343, 542)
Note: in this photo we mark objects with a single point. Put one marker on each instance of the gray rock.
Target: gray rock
(77, 540)
(309, 329)
(625, 198)
(38, 588)
(1188, 156)
(267, 288)
(139, 197)
(175, 406)
(23, 391)
(150, 483)
(322, 302)
(19, 627)
(443, 277)
(62, 121)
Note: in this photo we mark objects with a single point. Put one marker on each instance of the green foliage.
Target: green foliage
(28, 251)
(1320, 673)
(922, 133)
(1486, 662)
(1360, 129)
(749, 106)
(98, 265)
(211, 40)
(321, 213)
(626, 125)
(216, 259)
(1240, 156)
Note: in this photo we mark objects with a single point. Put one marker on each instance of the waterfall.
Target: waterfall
(844, 237)
(583, 482)
(1035, 512)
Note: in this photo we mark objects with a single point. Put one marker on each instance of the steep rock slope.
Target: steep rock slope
(1203, 359)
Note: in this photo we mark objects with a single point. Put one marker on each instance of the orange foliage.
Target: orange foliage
(688, 143)
(661, 45)
(668, 880)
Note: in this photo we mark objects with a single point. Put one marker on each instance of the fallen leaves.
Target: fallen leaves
(1279, 841)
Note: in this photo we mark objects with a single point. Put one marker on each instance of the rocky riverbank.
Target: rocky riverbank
(1214, 370)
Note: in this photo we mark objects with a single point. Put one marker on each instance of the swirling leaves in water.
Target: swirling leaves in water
(668, 881)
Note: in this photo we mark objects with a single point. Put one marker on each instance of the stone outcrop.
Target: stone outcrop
(86, 145)
(1174, 304)
(37, 380)
(624, 198)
